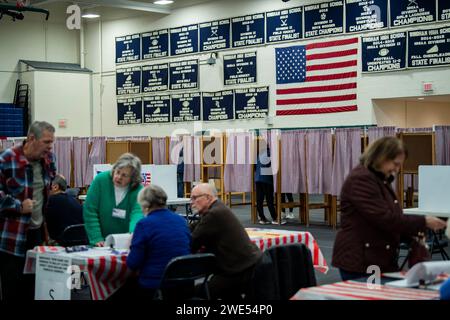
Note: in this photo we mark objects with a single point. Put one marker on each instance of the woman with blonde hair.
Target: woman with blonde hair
(372, 220)
(111, 204)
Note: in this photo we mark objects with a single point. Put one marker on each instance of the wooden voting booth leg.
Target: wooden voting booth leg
(253, 197)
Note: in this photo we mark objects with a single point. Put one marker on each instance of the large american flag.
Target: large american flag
(317, 77)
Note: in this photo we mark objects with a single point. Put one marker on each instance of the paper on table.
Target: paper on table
(118, 241)
(427, 272)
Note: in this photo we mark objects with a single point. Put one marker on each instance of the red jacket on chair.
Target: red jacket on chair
(372, 223)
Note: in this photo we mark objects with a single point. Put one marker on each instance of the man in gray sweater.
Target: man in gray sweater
(220, 232)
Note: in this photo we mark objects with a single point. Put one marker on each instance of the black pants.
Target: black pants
(265, 190)
(230, 287)
(290, 198)
(349, 275)
(14, 284)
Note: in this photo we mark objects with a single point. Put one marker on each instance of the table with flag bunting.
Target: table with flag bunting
(107, 271)
(355, 290)
(266, 238)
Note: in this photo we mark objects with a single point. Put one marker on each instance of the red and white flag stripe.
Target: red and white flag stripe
(330, 84)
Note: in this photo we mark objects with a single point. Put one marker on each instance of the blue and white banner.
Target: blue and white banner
(128, 48)
(443, 10)
(239, 68)
(324, 19)
(248, 30)
(155, 78)
(215, 35)
(128, 81)
(407, 12)
(384, 52)
(155, 44)
(429, 48)
(251, 103)
(184, 40)
(157, 109)
(129, 111)
(363, 15)
(284, 25)
(218, 105)
(186, 107)
(183, 75)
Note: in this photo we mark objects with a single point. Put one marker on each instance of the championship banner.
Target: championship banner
(248, 30)
(155, 78)
(384, 52)
(215, 35)
(129, 111)
(408, 12)
(186, 107)
(363, 15)
(324, 19)
(443, 10)
(429, 48)
(239, 68)
(183, 75)
(218, 105)
(128, 48)
(156, 109)
(184, 40)
(284, 25)
(128, 81)
(251, 103)
(155, 44)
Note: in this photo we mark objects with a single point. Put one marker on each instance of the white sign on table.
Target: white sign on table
(434, 192)
(53, 277)
(164, 176)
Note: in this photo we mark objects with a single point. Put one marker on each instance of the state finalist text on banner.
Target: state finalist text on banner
(317, 78)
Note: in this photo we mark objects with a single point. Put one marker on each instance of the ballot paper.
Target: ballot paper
(430, 272)
(120, 241)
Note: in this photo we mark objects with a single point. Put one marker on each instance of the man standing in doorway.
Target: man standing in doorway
(26, 172)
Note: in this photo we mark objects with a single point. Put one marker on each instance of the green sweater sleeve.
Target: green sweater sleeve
(91, 213)
(136, 211)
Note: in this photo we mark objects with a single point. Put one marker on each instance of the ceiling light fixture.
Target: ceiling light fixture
(90, 15)
(163, 2)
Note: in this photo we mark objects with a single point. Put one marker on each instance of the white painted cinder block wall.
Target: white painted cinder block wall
(52, 41)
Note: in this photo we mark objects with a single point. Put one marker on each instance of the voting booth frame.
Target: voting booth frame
(420, 146)
(421, 151)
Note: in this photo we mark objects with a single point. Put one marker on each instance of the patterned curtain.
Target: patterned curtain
(159, 150)
(80, 160)
(293, 161)
(375, 133)
(442, 136)
(346, 156)
(63, 152)
(238, 162)
(319, 161)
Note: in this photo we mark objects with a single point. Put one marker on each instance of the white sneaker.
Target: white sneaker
(290, 215)
(263, 222)
(283, 221)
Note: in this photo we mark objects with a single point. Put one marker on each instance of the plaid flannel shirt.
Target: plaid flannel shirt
(16, 185)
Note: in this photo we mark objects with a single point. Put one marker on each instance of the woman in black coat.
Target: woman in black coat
(372, 219)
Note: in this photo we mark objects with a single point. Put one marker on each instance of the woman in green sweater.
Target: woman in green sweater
(111, 204)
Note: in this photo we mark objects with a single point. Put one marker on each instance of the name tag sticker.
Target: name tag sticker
(119, 213)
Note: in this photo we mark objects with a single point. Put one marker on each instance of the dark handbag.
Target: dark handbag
(418, 251)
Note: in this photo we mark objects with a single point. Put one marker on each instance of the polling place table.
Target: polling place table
(355, 290)
(266, 238)
(106, 270)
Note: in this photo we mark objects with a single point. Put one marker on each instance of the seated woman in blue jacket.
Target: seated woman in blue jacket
(157, 238)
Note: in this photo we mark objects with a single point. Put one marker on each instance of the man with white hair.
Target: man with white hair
(220, 232)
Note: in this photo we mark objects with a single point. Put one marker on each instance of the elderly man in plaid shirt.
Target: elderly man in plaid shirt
(26, 172)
